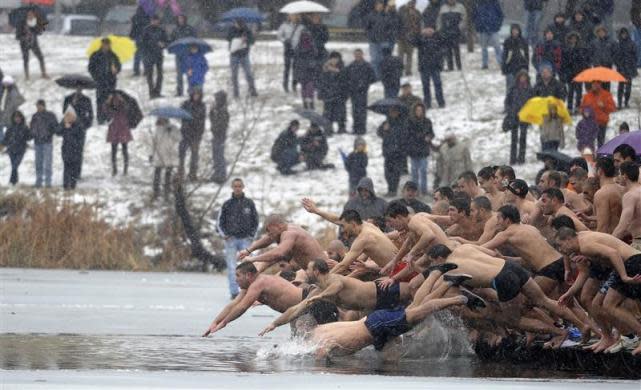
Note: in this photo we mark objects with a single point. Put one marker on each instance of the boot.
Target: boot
(114, 168)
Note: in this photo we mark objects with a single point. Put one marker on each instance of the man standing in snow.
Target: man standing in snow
(154, 40)
(360, 75)
(104, 67)
(182, 30)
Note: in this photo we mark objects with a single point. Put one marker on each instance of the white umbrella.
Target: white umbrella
(420, 4)
(303, 7)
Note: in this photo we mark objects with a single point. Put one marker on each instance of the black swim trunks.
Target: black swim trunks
(509, 281)
(632, 268)
(599, 272)
(384, 325)
(322, 311)
(554, 271)
(387, 298)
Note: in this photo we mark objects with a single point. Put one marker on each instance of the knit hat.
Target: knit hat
(359, 141)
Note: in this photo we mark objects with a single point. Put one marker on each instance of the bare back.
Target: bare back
(531, 246)
(471, 260)
(632, 200)
(421, 222)
(305, 248)
(376, 245)
(574, 200)
(276, 292)
(355, 294)
(607, 207)
(591, 242)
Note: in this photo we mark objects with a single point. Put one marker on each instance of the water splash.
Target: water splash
(295, 347)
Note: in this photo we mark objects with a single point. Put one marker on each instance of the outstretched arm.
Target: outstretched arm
(237, 310)
(277, 254)
(223, 313)
(405, 249)
(354, 252)
(310, 206)
(497, 241)
(261, 243)
(290, 314)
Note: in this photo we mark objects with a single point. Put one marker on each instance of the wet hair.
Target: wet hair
(579, 173)
(288, 275)
(510, 212)
(446, 192)
(321, 266)
(606, 164)
(579, 162)
(507, 171)
(563, 221)
(379, 222)
(565, 233)
(350, 216)
(469, 176)
(555, 178)
(626, 151)
(461, 204)
(482, 202)
(396, 209)
(247, 268)
(555, 193)
(630, 170)
(487, 173)
(275, 219)
(461, 195)
(439, 250)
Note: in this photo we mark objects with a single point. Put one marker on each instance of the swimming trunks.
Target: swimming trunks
(384, 325)
(554, 271)
(387, 298)
(510, 280)
(632, 268)
(323, 312)
(401, 266)
(599, 272)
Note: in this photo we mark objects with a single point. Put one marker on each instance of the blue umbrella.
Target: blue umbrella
(170, 112)
(383, 106)
(248, 15)
(182, 46)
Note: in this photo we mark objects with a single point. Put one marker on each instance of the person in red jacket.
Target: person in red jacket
(602, 104)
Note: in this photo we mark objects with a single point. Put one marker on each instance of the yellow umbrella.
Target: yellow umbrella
(536, 108)
(123, 47)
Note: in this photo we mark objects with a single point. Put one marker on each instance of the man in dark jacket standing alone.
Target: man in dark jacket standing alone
(43, 126)
(380, 26)
(84, 112)
(182, 30)
(430, 64)
(154, 41)
(360, 75)
(394, 134)
(237, 224)
(192, 133)
(104, 67)
(139, 21)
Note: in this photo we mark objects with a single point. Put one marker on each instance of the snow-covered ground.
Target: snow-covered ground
(474, 112)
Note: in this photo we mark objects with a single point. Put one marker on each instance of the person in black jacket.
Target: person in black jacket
(104, 67)
(451, 20)
(431, 13)
(548, 85)
(419, 142)
(15, 140)
(391, 73)
(360, 75)
(84, 114)
(410, 191)
(285, 149)
(380, 26)
(394, 134)
(237, 224)
(332, 90)
(575, 60)
(154, 41)
(625, 59)
(240, 39)
(72, 142)
(533, 15)
(430, 65)
(43, 126)
(356, 164)
(516, 98)
(27, 31)
(558, 28)
(313, 148)
(182, 30)
(139, 21)
(602, 50)
(580, 24)
(516, 54)
(192, 133)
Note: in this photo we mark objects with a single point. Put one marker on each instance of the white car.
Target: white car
(84, 25)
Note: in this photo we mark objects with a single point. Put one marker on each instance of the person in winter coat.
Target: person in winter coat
(430, 65)
(549, 52)
(183, 30)
(165, 155)
(365, 202)
(332, 90)
(581, 25)
(13, 99)
(451, 21)
(552, 136)
(195, 66)
(104, 67)
(575, 60)
(72, 143)
(192, 133)
(586, 131)
(84, 112)
(407, 97)
(43, 126)
(119, 132)
(219, 118)
(625, 59)
(15, 140)
(360, 75)
(516, 98)
(548, 85)
(391, 73)
(139, 21)
(154, 41)
(285, 149)
(602, 50)
(453, 158)
(313, 147)
(410, 27)
(516, 54)
(356, 164)
(431, 13)
(27, 32)
(394, 134)
(559, 28)
(602, 104)
(533, 15)
(381, 28)
(488, 18)
(285, 34)
(307, 67)
(241, 39)
(635, 17)
(419, 142)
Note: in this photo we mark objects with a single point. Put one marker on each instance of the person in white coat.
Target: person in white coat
(165, 154)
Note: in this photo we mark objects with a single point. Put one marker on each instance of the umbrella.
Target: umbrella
(561, 161)
(420, 4)
(181, 47)
(75, 81)
(149, 6)
(123, 47)
(384, 105)
(248, 15)
(134, 114)
(315, 117)
(171, 112)
(600, 73)
(536, 108)
(304, 7)
(632, 138)
(18, 15)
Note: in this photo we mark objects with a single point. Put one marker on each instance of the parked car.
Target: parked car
(83, 25)
(117, 21)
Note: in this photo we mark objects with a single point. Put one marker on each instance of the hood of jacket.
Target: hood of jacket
(367, 184)
(517, 27)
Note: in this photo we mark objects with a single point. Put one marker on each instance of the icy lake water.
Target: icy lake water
(71, 329)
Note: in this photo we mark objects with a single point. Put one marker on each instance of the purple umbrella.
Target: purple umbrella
(149, 6)
(632, 138)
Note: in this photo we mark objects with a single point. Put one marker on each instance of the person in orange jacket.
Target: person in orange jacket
(602, 104)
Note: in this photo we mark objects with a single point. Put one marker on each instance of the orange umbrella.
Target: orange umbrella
(600, 73)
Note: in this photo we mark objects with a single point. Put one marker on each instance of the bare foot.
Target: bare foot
(605, 344)
(556, 342)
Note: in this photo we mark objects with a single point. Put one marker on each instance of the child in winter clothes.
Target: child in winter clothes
(586, 131)
(552, 136)
(356, 164)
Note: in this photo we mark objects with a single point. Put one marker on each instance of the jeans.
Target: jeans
(419, 172)
(510, 79)
(150, 64)
(376, 55)
(16, 160)
(242, 61)
(435, 76)
(487, 40)
(179, 78)
(44, 154)
(519, 144)
(533, 25)
(233, 245)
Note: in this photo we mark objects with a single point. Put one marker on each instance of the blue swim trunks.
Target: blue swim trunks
(384, 325)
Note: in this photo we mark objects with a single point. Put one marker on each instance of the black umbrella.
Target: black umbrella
(383, 106)
(562, 161)
(75, 81)
(18, 16)
(315, 117)
(134, 114)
